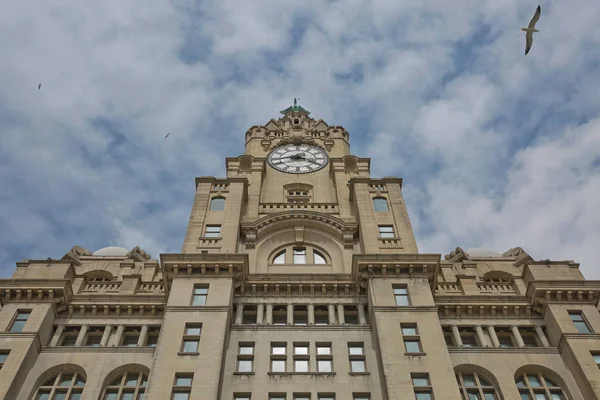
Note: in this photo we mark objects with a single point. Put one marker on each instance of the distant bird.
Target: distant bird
(530, 29)
(39, 86)
(167, 135)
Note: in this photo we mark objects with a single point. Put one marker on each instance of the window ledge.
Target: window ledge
(300, 373)
(415, 354)
(243, 373)
(359, 373)
(181, 353)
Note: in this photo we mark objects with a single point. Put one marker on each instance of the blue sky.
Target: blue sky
(496, 149)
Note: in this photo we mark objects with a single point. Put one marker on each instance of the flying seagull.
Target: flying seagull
(167, 135)
(530, 29)
(39, 86)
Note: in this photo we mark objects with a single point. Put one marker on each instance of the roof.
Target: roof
(295, 107)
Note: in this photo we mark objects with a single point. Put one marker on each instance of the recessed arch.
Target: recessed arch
(497, 276)
(548, 378)
(300, 254)
(380, 204)
(217, 203)
(60, 373)
(98, 275)
(130, 377)
(473, 378)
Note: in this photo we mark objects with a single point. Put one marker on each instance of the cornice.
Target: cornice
(283, 288)
(111, 310)
(404, 308)
(24, 335)
(90, 349)
(301, 327)
(197, 308)
(565, 337)
(424, 266)
(213, 265)
(518, 310)
(504, 350)
(542, 293)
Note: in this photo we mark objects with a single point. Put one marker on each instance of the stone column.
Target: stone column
(118, 336)
(517, 335)
(290, 314)
(269, 314)
(362, 320)
(259, 314)
(542, 336)
(493, 336)
(480, 336)
(57, 334)
(456, 335)
(239, 314)
(81, 336)
(311, 314)
(341, 317)
(331, 313)
(142, 340)
(106, 335)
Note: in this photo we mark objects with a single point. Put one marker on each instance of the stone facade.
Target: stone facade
(299, 286)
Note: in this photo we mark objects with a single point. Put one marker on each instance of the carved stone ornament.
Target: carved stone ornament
(328, 144)
(74, 254)
(348, 237)
(296, 140)
(250, 234)
(514, 252)
(456, 252)
(138, 254)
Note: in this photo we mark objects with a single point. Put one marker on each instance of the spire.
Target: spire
(295, 107)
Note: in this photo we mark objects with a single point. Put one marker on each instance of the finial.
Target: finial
(295, 102)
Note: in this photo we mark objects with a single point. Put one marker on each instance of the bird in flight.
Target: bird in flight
(39, 86)
(530, 29)
(167, 135)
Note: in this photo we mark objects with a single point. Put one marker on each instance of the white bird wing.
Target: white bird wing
(536, 17)
(528, 41)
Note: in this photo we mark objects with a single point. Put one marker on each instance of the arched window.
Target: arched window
(535, 386)
(66, 385)
(474, 386)
(130, 385)
(319, 258)
(299, 255)
(217, 203)
(380, 204)
(279, 258)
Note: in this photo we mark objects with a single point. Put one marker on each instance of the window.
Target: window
(128, 385)
(277, 396)
(321, 315)
(19, 321)
(301, 357)
(386, 231)
(326, 396)
(351, 315)
(279, 258)
(131, 336)
(301, 396)
(237, 396)
(249, 314)
(3, 357)
(535, 386)
(596, 356)
(448, 337)
(412, 340)
(278, 357)
(401, 295)
(69, 336)
(380, 204)
(245, 358)
(300, 315)
(324, 358)
(422, 386)
(182, 387)
(152, 338)
(279, 315)
(361, 397)
(319, 258)
(94, 336)
(356, 354)
(191, 338)
(67, 385)
(217, 203)
(212, 231)
(299, 255)
(505, 337)
(579, 322)
(468, 337)
(529, 337)
(200, 294)
(473, 386)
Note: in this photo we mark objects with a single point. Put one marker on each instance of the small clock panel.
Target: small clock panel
(298, 159)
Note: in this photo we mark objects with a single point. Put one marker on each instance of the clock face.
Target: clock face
(297, 159)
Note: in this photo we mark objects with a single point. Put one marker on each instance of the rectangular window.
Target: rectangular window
(278, 357)
(69, 336)
(245, 358)
(301, 396)
(237, 396)
(19, 320)
(200, 294)
(529, 337)
(356, 354)
(152, 338)
(300, 315)
(326, 396)
(596, 356)
(94, 337)
(579, 322)
(212, 231)
(447, 330)
(278, 396)
(131, 337)
(324, 358)
(422, 386)
(249, 314)
(412, 340)
(351, 315)
(3, 357)
(280, 315)
(505, 337)
(361, 397)
(299, 255)
(468, 337)
(401, 295)
(386, 231)
(321, 315)
(191, 338)
(182, 387)
(301, 357)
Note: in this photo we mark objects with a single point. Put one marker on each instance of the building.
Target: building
(299, 278)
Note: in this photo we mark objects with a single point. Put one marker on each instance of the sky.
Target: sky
(496, 149)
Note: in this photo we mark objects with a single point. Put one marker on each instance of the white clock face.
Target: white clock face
(297, 159)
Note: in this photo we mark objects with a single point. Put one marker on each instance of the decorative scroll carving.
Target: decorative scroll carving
(138, 254)
(76, 252)
(457, 254)
(297, 140)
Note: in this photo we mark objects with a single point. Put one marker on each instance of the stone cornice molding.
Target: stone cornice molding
(27, 335)
(404, 308)
(519, 310)
(214, 265)
(197, 308)
(300, 289)
(253, 231)
(505, 350)
(542, 293)
(300, 327)
(105, 349)
(105, 310)
(565, 337)
(367, 266)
